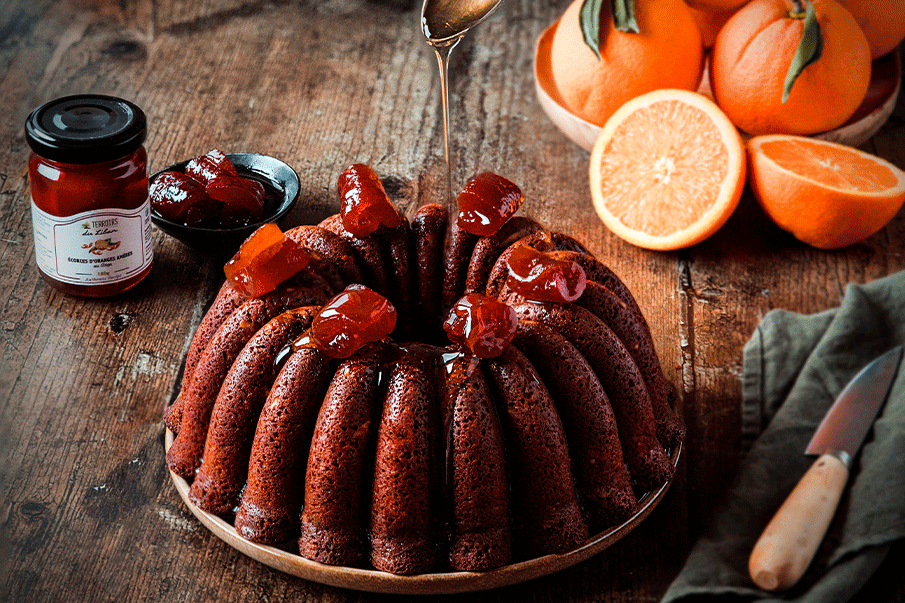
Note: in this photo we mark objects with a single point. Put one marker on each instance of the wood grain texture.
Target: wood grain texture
(86, 506)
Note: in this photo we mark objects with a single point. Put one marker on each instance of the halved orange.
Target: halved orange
(826, 194)
(667, 170)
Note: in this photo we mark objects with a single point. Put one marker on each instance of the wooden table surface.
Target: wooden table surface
(87, 509)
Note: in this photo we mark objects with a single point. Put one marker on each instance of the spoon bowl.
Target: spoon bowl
(444, 22)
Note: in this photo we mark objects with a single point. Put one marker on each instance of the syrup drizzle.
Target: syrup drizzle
(444, 23)
(443, 52)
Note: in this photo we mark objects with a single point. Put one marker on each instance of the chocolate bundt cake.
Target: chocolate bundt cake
(450, 392)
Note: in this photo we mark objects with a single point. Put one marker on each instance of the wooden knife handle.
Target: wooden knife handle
(788, 544)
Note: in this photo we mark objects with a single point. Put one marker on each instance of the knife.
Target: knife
(789, 542)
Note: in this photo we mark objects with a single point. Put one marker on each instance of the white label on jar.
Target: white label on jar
(94, 247)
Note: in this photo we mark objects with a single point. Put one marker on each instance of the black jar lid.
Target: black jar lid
(85, 128)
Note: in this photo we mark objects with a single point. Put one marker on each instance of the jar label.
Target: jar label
(96, 247)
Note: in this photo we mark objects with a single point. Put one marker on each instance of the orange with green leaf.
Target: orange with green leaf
(790, 66)
(604, 53)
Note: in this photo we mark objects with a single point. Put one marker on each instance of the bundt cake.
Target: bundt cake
(450, 392)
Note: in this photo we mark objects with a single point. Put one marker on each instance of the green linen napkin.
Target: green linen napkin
(794, 367)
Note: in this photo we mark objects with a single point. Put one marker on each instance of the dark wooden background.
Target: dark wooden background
(87, 511)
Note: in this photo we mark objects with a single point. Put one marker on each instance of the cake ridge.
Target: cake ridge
(269, 507)
(224, 347)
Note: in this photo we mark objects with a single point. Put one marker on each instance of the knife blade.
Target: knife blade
(788, 544)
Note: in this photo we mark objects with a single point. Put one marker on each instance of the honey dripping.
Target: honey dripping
(444, 23)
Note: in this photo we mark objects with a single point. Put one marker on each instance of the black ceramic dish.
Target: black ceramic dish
(281, 185)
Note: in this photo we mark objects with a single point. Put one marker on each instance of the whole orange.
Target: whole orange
(667, 53)
(717, 6)
(710, 22)
(882, 21)
(751, 58)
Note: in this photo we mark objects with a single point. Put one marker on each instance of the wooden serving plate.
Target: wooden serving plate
(371, 580)
(875, 109)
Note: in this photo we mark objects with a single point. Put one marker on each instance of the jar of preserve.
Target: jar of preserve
(90, 210)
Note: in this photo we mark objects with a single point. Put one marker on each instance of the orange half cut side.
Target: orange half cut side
(826, 194)
(667, 170)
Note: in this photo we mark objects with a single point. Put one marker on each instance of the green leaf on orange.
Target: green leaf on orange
(624, 16)
(810, 47)
(623, 12)
(589, 19)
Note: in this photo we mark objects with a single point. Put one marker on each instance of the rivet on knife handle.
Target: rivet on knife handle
(788, 544)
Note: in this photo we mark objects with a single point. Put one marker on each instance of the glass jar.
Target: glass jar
(91, 214)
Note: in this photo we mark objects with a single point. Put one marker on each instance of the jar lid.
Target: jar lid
(85, 128)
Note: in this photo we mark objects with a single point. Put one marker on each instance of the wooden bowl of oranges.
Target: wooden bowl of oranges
(684, 106)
